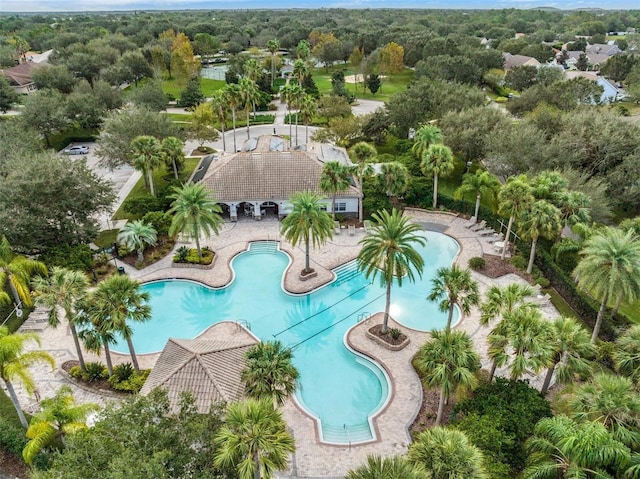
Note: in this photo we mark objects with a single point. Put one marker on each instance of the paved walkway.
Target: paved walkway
(311, 460)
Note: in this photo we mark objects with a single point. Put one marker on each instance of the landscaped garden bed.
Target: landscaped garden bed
(394, 339)
(188, 258)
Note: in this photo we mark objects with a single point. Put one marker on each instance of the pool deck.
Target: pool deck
(312, 459)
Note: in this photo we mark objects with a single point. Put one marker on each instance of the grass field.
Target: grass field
(208, 86)
(391, 85)
(161, 177)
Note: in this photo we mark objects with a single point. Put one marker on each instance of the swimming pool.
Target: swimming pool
(340, 388)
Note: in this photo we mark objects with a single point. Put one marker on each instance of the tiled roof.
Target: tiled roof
(511, 61)
(20, 75)
(209, 369)
(264, 175)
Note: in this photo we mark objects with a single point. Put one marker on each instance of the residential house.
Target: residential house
(511, 61)
(595, 60)
(258, 181)
(603, 49)
(20, 76)
(610, 92)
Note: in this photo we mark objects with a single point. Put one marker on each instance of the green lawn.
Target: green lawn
(561, 305)
(179, 117)
(208, 86)
(161, 177)
(391, 85)
(106, 238)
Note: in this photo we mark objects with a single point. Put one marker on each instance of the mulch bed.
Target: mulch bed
(495, 267)
(102, 384)
(12, 466)
(163, 248)
(387, 338)
(426, 417)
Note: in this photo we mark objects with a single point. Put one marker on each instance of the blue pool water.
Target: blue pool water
(340, 388)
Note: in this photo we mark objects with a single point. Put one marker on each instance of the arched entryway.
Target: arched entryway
(269, 209)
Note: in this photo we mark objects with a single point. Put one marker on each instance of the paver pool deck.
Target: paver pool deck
(312, 459)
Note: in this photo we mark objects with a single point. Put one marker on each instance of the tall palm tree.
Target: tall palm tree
(307, 223)
(563, 449)
(447, 361)
(252, 69)
(394, 177)
(308, 108)
(447, 454)
(59, 416)
(609, 269)
(574, 207)
(233, 98)
(571, 350)
(147, 157)
(118, 301)
(437, 161)
(62, 289)
(335, 177)
(137, 235)
(292, 95)
(626, 355)
(249, 95)
(539, 219)
(425, 136)
(221, 112)
(273, 46)
(15, 363)
(17, 271)
(394, 467)
(362, 154)
(388, 251)
(454, 286)
(173, 153)
(269, 372)
(481, 183)
(515, 195)
(195, 212)
(253, 439)
(522, 342)
(300, 70)
(612, 401)
(97, 331)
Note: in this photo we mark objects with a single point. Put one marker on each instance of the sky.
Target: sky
(110, 5)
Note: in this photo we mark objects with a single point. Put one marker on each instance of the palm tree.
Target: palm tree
(233, 98)
(574, 207)
(394, 178)
(563, 449)
(59, 416)
(62, 289)
(514, 196)
(447, 454)
(136, 235)
(292, 95)
(118, 300)
(252, 69)
(173, 153)
(335, 177)
(253, 439)
(504, 300)
(626, 355)
(425, 136)
(482, 183)
(195, 212)
(454, 286)
(571, 349)
(249, 95)
(362, 153)
(437, 160)
(308, 108)
(307, 223)
(540, 219)
(17, 271)
(521, 341)
(15, 363)
(394, 467)
(221, 111)
(447, 361)
(612, 401)
(609, 269)
(269, 372)
(97, 332)
(300, 70)
(388, 251)
(147, 156)
(273, 46)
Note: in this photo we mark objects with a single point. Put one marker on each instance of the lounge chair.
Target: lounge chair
(368, 224)
(472, 222)
(486, 232)
(496, 237)
(479, 226)
(352, 230)
(336, 225)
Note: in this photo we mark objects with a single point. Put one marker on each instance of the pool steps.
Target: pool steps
(345, 272)
(258, 247)
(352, 434)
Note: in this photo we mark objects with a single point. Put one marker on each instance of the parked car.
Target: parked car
(76, 150)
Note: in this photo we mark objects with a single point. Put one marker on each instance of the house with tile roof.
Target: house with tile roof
(603, 49)
(210, 369)
(511, 61)
(20, 76)
(259, 180)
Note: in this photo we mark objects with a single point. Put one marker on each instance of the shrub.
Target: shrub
(501, 99)
(395, 333)
(141, 205)
(160, 220)
(122, 372)
(181, 255)
(12, 437)
(76, 372)
(519, 262)
(133, 383)
(76, 257)
(543, 282)
(94, 371)
(477, 263)
(190, 255)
